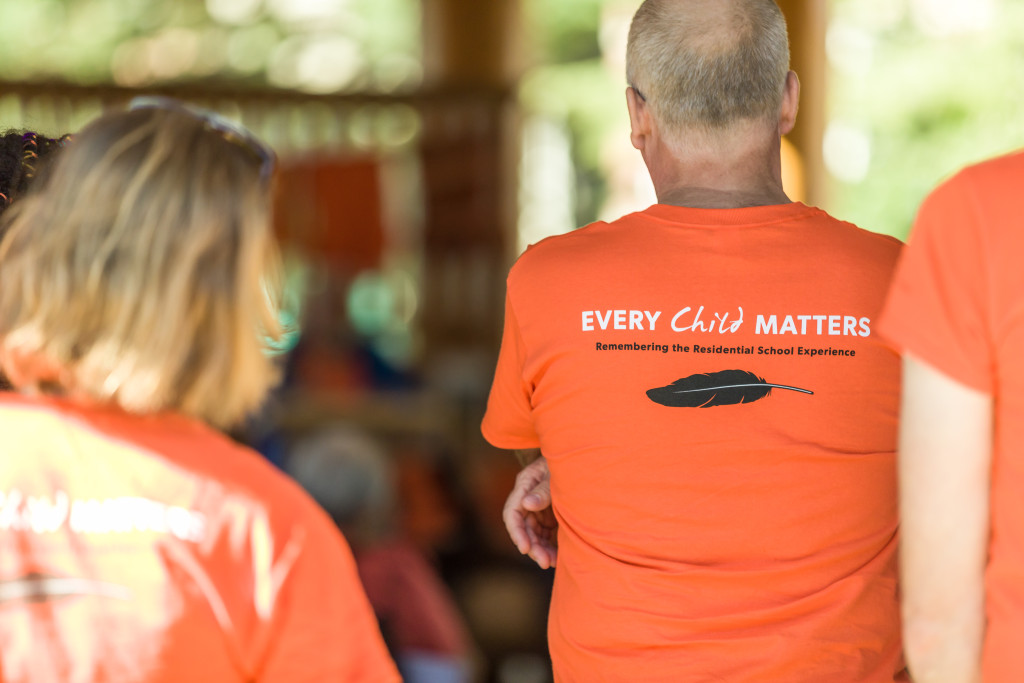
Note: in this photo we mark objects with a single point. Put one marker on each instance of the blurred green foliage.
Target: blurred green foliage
(570, 84)
(583, 97)
(925, 102)
(256, 41)
(928, 103)
(567, 30)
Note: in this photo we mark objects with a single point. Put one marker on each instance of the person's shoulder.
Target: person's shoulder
(226, 469)
(557, 245)
(578, 248)
(843, 247)
(860, 240)
(991, 180)
(975, 205)
(244, 473)
(172, 450)
(231, 475)
(1003, 170)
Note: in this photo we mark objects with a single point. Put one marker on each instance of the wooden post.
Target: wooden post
(808, 20)
(469, 154)
(471, 42)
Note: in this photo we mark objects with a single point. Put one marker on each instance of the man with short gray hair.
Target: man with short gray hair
(742, 46)
(704, 383)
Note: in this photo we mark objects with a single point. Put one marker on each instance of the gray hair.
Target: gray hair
(712, 67)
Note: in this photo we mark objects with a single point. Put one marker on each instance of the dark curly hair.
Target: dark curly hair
(23, 156)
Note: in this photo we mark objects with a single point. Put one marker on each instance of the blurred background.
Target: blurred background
(424, 144)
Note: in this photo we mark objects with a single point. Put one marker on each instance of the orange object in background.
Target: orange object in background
(330, 211)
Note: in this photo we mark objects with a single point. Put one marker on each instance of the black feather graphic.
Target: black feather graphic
(723, 388)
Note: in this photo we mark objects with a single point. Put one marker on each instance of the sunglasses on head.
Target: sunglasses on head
(234, 133)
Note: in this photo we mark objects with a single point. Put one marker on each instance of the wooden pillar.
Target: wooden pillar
(471, 42)
(469, 154)
(808, 20)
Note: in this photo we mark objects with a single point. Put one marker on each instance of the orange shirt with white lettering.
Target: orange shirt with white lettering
(719, 419)
(153, 549)
(957, 303)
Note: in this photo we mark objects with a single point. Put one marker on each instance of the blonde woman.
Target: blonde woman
(136, 542)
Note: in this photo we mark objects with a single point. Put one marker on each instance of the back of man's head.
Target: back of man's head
(705, 65)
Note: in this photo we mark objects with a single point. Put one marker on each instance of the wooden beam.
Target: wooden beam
(441, 94)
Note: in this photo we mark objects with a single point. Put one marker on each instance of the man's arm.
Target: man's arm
(944, 461)
(528, 516)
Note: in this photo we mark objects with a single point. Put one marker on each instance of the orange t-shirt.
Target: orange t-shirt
(144, 549)
(957, 302)
(719, 419)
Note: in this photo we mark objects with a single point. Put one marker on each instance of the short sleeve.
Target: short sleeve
(938, 307)
(324, 627)
(508, 422)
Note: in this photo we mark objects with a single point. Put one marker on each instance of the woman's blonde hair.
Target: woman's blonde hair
(144, 273)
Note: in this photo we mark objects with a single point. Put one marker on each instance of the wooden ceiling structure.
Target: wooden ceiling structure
(467, 145)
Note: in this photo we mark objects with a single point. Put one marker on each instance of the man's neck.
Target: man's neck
(698, 197)
(739, 170)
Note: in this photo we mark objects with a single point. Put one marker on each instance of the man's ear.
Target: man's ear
(790, 103)
(639, 119)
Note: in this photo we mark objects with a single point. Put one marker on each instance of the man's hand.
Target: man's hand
(528, 516)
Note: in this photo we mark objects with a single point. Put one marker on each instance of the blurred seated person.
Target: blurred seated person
(350, 475)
